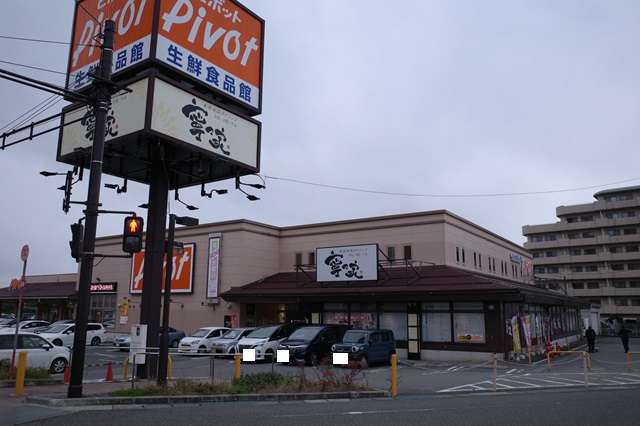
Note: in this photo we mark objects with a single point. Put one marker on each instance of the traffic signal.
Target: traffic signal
(77, 233)
(132, 235)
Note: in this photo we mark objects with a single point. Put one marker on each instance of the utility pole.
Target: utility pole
(103, 101)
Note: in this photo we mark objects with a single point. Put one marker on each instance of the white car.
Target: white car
(62, 335)
(266, 339)
(40, 352)
(200, 340)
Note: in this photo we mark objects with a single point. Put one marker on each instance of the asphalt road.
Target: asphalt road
(568, 406)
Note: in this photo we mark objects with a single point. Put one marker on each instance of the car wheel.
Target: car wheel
(57, 342)
(175, 343)
(202, 350)
(363, 361)
(95, 341)
(58, 365)
(312, 359)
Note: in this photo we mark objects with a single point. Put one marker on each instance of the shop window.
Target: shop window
(436, 327)
(469, 327)
(395, 321)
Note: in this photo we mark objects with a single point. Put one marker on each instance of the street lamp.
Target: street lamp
(250, 197)
(163, 353)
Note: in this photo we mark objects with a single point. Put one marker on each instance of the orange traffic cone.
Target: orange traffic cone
(109, 373)
(65, 378)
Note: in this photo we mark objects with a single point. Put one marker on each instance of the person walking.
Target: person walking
(624, 336)
(590, 334)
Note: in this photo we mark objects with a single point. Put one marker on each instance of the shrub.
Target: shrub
(30, 373)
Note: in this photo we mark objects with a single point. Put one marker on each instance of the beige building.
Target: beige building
(448, 288)
(593, 251)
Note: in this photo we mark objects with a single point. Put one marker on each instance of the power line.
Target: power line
(509, 194)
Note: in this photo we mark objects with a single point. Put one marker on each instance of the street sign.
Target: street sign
(24, 254)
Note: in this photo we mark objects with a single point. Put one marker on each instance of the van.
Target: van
(311, 344)
(367, 346)
(266, 339)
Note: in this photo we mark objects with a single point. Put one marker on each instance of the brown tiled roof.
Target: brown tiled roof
(425, 283)
(57, 290)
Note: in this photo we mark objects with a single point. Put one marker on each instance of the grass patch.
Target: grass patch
(29, 374)
(329, 380)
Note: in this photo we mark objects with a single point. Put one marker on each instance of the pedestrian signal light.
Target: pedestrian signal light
(132, 235)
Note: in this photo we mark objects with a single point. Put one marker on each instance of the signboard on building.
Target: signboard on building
(104, 288)
(215, 45)
(347, 263)
(182, 271)
(213, 275)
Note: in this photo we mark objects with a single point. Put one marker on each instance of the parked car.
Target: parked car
(40, 352)
(226, 344)
(54, 324)
(266, 339)
(123, 341)
(30, 325)
(312, 343)
(367, 346)
(63, 334)
(200, 340)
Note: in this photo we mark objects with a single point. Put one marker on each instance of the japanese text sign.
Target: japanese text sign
(181, 276)
(347, 263)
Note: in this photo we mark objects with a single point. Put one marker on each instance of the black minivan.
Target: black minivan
(311, 344)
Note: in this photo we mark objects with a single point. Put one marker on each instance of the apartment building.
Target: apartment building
(593, 252)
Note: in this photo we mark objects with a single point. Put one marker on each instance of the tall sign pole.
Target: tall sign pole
(103, 100)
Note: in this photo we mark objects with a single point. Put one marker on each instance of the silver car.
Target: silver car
(226, 344)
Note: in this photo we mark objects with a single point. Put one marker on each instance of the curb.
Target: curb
(62, 401)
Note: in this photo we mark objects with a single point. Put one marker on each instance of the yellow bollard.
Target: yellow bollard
(126, 363)
(394, 375)
(170, 365)
(22, 366)
(236, 374)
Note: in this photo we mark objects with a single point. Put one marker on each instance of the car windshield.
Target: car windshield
(202, 332)
(353, 336)
(262, 332)
(305, 333)
(232, 334)
(57, 328)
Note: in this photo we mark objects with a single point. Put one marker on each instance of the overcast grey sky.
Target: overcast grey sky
(409, 105)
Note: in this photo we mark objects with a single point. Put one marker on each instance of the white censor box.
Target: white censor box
(340, 358)
(283, 355)
(249, 355)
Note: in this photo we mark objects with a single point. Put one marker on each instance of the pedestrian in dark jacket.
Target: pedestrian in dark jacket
(590, 334)
(624, 336)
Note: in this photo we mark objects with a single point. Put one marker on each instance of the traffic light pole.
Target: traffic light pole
(163, 354)
(103, 99)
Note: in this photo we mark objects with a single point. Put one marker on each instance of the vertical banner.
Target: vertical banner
(526, 325)
(213, 276)
(516, 334)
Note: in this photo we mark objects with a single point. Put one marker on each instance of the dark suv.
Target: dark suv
(367, 346)
(312, 343)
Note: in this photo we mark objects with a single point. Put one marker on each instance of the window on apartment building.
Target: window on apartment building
(577, 286)
(589, 234)
(538, 254)
(407, 253)
(617, 267)
(475, 259)
(631, 249)
(626, 197)
(494, 264)
(538, 270)
(588, 251)
(458, 254)
(552, 270)
(635, 302)
(552, 253)
(576, 268)
(574, 236)
(575, 252)
(619, 284)
(630, 231)
(593, 286)
(391, 253)
(621, 301)
(629, 213)
(613, 232)
(312, 258)
(634, 284)
(614, 249)
(611, 199)
(586, 218)
(595, 301)
(464, 260)
(591, 268)
(536, 238)
(572, 219)
(479, 261)
(298, 259)
(633, 266)
(550, 237)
